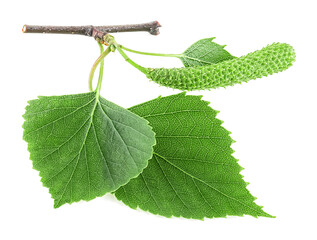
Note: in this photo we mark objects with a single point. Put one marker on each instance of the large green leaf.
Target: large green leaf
(85, 146)
(192, 173)
(205, 52)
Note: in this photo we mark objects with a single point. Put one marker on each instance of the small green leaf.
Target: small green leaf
(205, 52)
(192, 173)
(85, 146)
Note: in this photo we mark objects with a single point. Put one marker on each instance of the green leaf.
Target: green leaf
(205, 52)
(192, 173)
(85, 146)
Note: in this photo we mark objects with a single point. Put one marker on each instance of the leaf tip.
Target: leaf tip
(57, 204)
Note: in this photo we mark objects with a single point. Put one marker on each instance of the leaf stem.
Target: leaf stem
(151, 54)
(101, 67)
(124, 55)
(93, 69)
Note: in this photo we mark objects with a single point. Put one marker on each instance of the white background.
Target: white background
(273, 119)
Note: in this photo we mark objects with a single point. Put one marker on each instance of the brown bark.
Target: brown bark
(94, 31)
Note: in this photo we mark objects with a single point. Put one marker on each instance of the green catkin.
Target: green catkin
(271, 59)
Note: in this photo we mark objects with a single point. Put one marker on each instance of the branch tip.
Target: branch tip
(24, 28)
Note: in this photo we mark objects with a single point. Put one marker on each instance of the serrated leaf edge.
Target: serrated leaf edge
(99, 195)
(184, 93)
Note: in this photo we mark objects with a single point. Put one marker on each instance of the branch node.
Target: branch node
(97, 35)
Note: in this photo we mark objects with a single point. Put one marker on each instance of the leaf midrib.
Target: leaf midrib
(195, 59)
